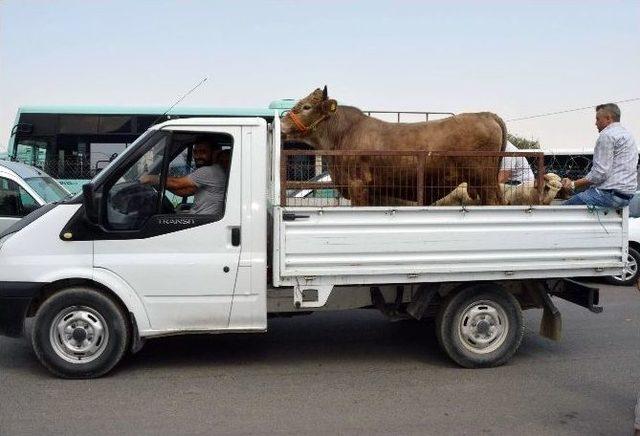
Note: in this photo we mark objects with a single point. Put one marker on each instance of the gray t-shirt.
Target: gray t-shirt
(211, 183)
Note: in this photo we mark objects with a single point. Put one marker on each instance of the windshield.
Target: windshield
(47, 188)
(98, 179)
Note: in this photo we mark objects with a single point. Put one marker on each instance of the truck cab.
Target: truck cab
(174, 270)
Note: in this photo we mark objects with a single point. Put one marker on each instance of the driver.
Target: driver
(207, 183)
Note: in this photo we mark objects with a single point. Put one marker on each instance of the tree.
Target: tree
(523, 143)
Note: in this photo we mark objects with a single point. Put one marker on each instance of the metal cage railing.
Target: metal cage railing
(392, 178)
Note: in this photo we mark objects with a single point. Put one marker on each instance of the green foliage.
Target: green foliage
(523, 143)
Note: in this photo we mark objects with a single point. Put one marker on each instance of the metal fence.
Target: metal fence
(71, 169)
(571, 166)
(404, 178)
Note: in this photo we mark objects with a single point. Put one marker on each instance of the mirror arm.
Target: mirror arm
(88, 198)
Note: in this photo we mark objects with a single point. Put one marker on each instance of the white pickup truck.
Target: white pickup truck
(121, 262)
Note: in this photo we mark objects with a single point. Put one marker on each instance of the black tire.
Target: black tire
(87, 314)
(477, 304)
(630, 278)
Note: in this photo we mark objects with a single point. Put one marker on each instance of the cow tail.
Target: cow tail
(503, 126)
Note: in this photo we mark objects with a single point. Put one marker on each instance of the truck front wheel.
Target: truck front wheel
(79, 333)
(480, 326)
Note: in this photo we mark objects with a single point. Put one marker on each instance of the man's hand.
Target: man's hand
(148, 179)
(568, 184)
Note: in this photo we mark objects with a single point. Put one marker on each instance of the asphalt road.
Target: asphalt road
(344, 372)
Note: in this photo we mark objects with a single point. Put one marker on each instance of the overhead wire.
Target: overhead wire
(547, 114)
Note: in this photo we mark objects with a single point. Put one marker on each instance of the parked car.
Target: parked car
(23, 189)
(630, 274)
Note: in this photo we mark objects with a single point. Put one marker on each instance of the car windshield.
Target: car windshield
(47, 188)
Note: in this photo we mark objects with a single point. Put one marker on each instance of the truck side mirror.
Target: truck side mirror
(90, 207)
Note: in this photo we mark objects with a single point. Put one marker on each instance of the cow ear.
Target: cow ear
(325, 94)
(329, 106)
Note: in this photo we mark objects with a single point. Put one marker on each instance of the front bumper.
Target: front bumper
(15, 298)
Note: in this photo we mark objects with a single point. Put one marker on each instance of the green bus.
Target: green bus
(72, 144)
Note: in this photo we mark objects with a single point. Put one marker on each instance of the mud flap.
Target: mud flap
(136, 341)
(572, 291)
(551, 323)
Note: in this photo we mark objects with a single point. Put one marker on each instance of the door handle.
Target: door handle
(290, 216)
(235, 236)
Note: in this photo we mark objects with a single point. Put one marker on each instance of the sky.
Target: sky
(516, 58)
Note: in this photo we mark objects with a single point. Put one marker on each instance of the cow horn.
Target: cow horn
(325, 94)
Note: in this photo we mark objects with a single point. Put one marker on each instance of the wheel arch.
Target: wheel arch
(524, 291)
(126, 300)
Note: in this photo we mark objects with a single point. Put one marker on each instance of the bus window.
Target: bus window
(101, 153)
(78, 124)
(40, 124)
(31, 151)
(146, 121)
(115, 124)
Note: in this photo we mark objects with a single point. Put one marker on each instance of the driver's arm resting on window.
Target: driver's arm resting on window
(181, 186)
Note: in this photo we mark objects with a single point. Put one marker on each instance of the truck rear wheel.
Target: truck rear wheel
(480, 326)
(79, 333)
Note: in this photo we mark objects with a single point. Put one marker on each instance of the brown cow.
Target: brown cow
(321, 123)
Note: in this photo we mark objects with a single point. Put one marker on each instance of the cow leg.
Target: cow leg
(491, 195)
(358, 193)
(458, 196)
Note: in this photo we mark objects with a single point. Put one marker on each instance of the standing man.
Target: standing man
(612, 181)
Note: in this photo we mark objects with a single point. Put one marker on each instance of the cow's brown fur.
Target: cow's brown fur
(348, 128)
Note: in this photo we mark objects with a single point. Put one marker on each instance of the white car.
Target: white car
(23, 189)
(630, 275)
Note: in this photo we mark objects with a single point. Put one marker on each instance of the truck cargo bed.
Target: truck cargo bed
(346, 245)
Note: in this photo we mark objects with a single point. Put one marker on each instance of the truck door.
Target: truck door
(180, 257)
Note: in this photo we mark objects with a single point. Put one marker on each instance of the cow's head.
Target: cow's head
(307, 114)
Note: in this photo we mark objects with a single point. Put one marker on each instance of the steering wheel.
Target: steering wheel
(140, 199)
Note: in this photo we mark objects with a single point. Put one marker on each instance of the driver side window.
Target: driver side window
(204, 159)
(181, 165)
(130, 202)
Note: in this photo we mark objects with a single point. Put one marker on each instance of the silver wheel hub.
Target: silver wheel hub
(483, 327)
(630, 269)
(79, 334)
